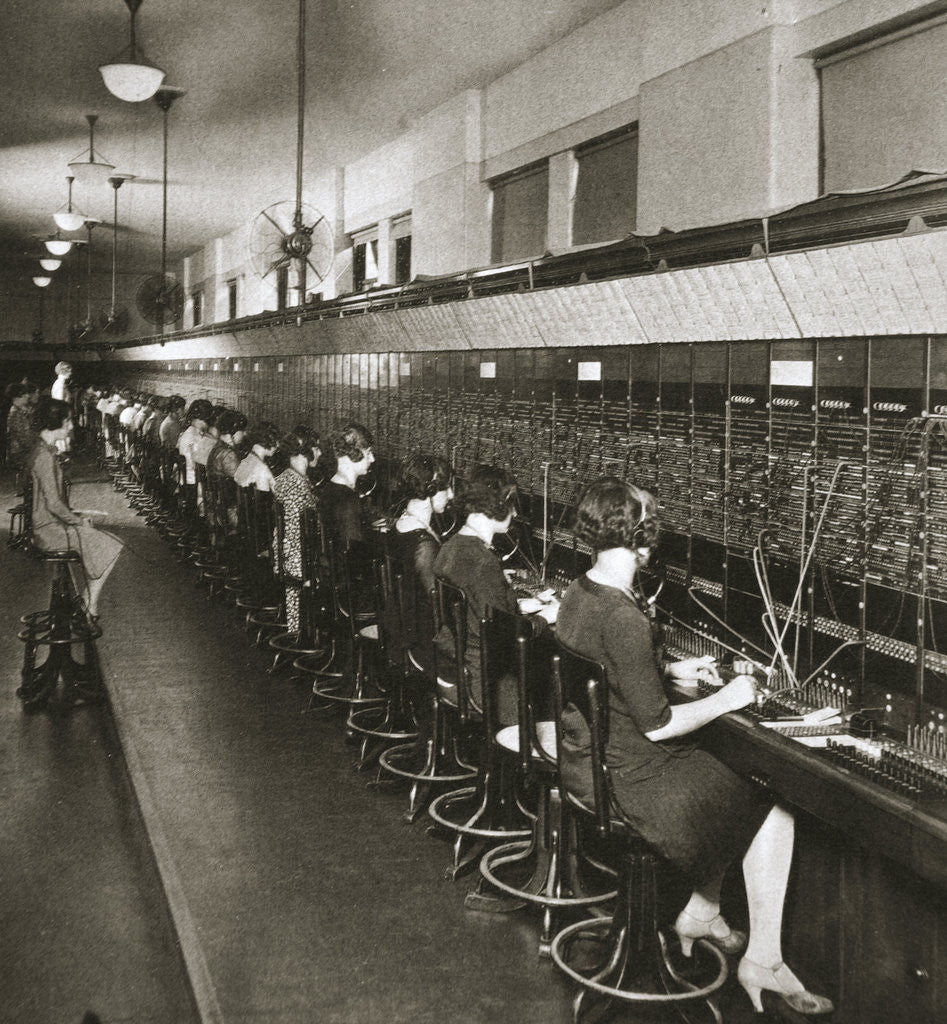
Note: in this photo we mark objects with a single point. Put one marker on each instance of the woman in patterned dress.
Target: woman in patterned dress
(293, 490)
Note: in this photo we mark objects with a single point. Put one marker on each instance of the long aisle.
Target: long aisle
(84, 924)
(298, 894)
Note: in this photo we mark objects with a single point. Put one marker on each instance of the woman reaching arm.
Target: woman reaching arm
(686, 804)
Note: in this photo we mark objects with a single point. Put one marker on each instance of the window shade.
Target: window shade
(884, 110)
(606, 193)
(520, 215)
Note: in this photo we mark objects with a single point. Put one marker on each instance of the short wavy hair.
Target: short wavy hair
(230, 422)
(613, 513)
(351, 441)
(265, 434)
(490, 490)
(299, 441)
(423, 476)
(200, 409)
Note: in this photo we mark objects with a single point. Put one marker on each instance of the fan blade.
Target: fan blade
(279, 227)
(316, 273)
(276, 264)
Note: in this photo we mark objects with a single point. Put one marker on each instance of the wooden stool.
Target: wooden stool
(60, 627)
(17, 514)
(623, 960)
(489, 810)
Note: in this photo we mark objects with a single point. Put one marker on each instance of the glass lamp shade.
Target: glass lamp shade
(50, 265)
(41, 282)
(58, 246)
(68, 221)
(91, 173)
(132, 82)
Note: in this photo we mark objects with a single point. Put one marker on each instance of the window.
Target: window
(884, 107)
(606, 191)
(520, 214)
(364, 264)
(402, 259)
(232, 299)
(401, 240)
(197, 308)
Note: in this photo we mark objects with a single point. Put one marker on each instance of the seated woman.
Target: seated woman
(686, 804)
(55, 526)
(20, 433)
(293, 490)
(170, 429)
(204, 444)
(342, 508)
(467, 561)
(414, 543)
(198, 415)
(254, 470)
(224, 457)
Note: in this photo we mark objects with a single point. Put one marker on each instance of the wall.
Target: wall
(731, 445)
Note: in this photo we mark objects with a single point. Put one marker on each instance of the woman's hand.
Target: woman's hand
(739, 692)
(549, 611)
(702, 669)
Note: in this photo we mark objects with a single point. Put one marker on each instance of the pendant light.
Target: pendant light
(132, 80)
(91, 172)
(69, 219)
(58, 246)
(49, 265)
(41, 281)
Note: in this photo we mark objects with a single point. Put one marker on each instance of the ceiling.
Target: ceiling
(372, 67)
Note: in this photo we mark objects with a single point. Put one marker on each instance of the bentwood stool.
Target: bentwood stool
(623, 959)
(356, 611)
(392, 721)
(436, 759)
(60, 628)
(490, 810)
(262, 592)
(555, 868)
(17, 514)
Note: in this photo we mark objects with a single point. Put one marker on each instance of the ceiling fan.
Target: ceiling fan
(293, 236)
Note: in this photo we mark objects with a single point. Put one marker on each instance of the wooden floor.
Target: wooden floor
(296, 892)
(207, 852)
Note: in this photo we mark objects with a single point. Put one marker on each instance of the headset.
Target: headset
(637, 534)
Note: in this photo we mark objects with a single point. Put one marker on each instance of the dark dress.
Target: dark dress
(685, 803)
(341, 514)
(413, 554)
(469, 564)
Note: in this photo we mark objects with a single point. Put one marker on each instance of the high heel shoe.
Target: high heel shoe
(726, 939)
(755, 978)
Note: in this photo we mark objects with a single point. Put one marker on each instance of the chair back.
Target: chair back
(355, 585)
(450, 610)
(581, 692)
(315, 598)
(506, 648)
(279, 535)
(28, 508)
